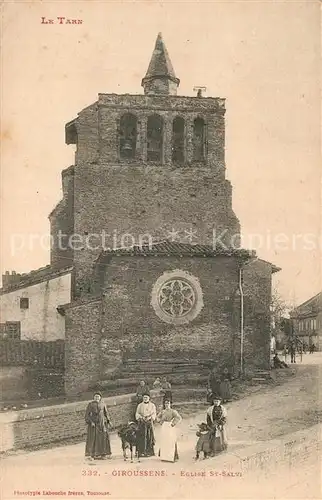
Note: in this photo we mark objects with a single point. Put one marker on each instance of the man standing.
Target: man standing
(293, 352)
(145, 415)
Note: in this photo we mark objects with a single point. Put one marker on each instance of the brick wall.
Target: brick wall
(100, 335)
(82, 345)
(98, 332)
(136, 197)
(148, 200)
(112, 106)
(52, 424)
(131, 319)
(87, 135)
(143, 199)
(62, 220)
(13, 382)
(257, 286)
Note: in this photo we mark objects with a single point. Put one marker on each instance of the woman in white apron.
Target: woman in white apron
(169, 419)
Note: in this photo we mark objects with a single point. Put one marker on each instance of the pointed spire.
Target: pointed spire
(160, 77)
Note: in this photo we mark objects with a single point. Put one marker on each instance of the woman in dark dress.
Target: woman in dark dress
(216, 422)
(97, 420)
(213, 385)
(225, 386)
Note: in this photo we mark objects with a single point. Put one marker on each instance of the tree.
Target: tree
(281, 326)
(278, 308)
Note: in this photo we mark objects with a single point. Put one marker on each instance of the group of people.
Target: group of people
(300, 348)
(162, 386)
(99, 423)
(211, 434)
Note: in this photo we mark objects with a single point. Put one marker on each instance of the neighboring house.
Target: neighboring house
(307, 321)
(28, 304)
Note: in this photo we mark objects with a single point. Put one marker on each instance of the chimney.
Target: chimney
(10, 279)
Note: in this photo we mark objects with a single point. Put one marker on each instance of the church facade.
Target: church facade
(159, 283)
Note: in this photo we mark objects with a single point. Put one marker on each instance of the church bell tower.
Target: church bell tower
(147, 164)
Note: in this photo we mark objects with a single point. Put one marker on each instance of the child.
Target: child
(203, 443)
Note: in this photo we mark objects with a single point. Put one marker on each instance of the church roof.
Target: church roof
(166, 247)
(160, 64)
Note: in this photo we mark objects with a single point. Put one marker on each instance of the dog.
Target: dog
(129, 438)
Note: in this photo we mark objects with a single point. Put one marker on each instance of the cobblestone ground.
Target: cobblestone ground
(267, 413)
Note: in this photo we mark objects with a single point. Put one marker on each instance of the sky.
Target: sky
(263, 57)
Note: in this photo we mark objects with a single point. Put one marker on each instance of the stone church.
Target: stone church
(153, 290)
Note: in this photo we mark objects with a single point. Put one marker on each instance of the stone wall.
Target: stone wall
(13, 382)
(257, 286)
(53, 424)
(138, 197)
(266, 457)
(97, 126)
(101, 335)
(83, 345)
(148, 201)
(62, 223)
(132, 322)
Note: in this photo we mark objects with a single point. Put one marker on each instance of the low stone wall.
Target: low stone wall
(53, 424)
(265, 457)
(25, 383)
(13, 382)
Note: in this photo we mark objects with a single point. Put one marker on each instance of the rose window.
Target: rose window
(176, 297)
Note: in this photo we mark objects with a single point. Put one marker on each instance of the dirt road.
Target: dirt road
(272, 412)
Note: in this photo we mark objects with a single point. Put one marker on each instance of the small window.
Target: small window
(154, 138)
(128, 136)
(10, 330)
(199, 140)
(24, 303)
(178, 140)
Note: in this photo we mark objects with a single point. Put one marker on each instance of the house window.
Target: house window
(178, 140)
(199, 139)
(154, 138)
(10, 330)
(128, 135)
(24, 303)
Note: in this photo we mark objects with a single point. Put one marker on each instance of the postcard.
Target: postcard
(161, 304)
